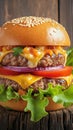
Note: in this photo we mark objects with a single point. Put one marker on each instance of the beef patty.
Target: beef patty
(42, 83)
(46, 61)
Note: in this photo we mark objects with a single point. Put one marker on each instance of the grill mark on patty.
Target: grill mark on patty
(11, 60)
(42, 83)
(7, 82)
(46, 61)
(53, 60)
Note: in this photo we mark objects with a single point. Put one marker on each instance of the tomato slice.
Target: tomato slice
(65, 71)
(4, 71)
(54, 73)
(21, 92)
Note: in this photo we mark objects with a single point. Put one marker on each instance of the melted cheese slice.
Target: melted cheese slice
(24, 80)
(33, 55)
(2, 54)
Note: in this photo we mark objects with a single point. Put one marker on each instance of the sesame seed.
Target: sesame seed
(31, 21)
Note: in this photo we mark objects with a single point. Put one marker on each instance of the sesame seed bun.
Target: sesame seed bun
(33, 31)
(20, 105)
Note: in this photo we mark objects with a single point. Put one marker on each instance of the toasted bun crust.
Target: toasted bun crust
(20, 105)
(33, 31)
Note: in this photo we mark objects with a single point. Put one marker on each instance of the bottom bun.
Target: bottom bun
(53, 106)
(20, 105)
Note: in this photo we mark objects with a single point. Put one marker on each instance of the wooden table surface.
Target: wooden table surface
(56, 120)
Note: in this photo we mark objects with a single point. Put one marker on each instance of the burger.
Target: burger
(33, 73)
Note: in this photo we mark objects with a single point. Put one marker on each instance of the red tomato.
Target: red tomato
(54, 73)
(4, 71)
(21, 92)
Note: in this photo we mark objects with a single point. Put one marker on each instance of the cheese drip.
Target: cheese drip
(24, 80)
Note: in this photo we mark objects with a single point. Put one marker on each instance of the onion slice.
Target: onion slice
(27, 69)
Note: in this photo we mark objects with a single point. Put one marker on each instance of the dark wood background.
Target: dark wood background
(60, 10)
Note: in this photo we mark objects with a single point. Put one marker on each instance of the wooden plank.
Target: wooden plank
(55, 120)
(66, 16)
(10, 9)
(1, 12)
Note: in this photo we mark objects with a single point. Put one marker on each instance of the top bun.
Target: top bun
(33, 31)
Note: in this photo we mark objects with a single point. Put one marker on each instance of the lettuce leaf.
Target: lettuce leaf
(11, 94)
(8, 93)
(3, 96)
(69, 57)
(65, 97)
(37, 102)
